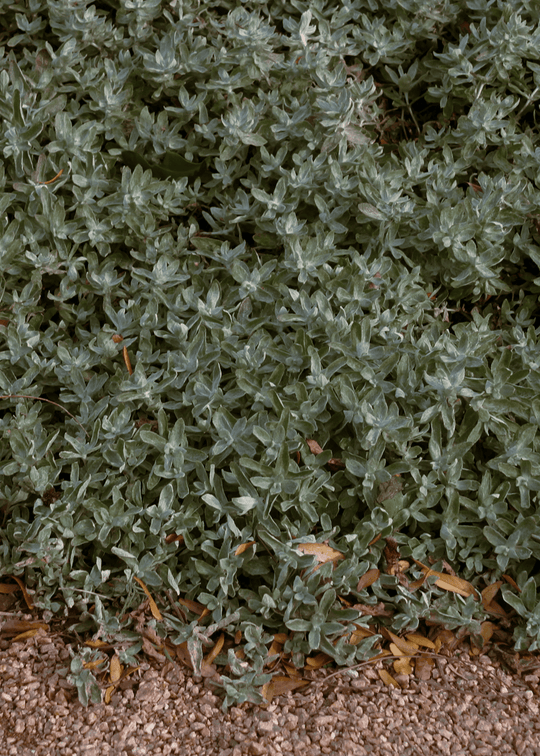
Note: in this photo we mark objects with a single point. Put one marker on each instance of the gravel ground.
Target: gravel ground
(469, 706)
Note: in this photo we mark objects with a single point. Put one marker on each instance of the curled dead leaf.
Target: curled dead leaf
(486, 631)
(193, 606)
(419, 640)
(24, 636)
(368, 578)
(156, 614)
(387, 678)
(359, 634)
(445, 641)
(15, 627)
(172, 537)
(150, 651)
(489, 593)
(275, 648)
(389, 489)
(182, 654)
(292, 671)
(336, 464)
(314, 446)
(376, 610)
(127, 360)
(279, 685)
(244, 547)
(97, 644)
(95, 663)
(323, 552)
(8, 588)
(374, 540)
(115, 669)
(316, 662)
(423, 667)
(512, 582)
(403, 666)
(22, 586)
(449, 582)
(391, 554)
(209, 670)
(404, 646)
(215, 650)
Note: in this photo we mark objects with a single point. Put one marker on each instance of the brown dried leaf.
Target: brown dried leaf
(209, 670)
(417, 584)
(496, 609)
(449, 582)
(368, 578)
(193, 606)
(182, 654)
(275, 648)
(419, 640)
(391, 554)
(24, 636)
(129, 671)
(486, 631)
(336, 464)
(156, 614)
(404, 646)
(8, 588)
(376, 610)
(244, 547)
(98, 644)
(403, 666)
(115, 669)
(279, 685)
(512, 582)
(314, 446)
(215, 650)
(292, 671)
(321, 551)
(449, 568)
(150, 651)
(387, 678)
(423, 667)
(127, 360)
(489, 593)
(389, 489)
(22, 586)
(152, 636)
(316, 662)
(359, 634)
(172, 537)
(94, 664)
(445, 641)
(374, 540)
(402, 578)
(14, 627)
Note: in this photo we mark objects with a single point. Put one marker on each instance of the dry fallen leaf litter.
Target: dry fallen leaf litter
(411, 659)
(475, 708)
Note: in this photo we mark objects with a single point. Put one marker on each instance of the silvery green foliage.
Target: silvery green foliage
(306, 222)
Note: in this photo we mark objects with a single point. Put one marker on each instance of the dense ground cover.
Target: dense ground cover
(269, 336)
